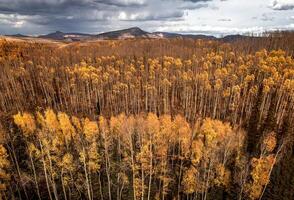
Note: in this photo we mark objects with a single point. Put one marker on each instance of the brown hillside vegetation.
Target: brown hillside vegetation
(147, 119)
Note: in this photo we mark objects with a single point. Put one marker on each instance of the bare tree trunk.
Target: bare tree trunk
(100, 186)
(86, 175)
(180, 175)
(63, 187)
(35, 177)
(150, 174)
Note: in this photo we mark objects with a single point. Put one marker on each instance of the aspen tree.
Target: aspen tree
(183, 132)
(153, 127)
(27, 124)
(42, 139)
(128, 128)
(89, 151)
(116, 126)
(162, 141)
(52, 144)
(66, 127)
(67, 166)
(104, 131)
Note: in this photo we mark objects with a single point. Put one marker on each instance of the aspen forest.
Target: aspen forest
(147, 119)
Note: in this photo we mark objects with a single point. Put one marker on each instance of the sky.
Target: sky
(210, 17)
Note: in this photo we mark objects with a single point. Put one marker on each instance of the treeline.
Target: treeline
(56, 156)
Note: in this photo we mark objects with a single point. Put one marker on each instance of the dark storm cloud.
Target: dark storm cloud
(196, 1)
(33, 7)
(42, 16)
(123, 3)
(72, 15)
(193, 6)
(282, 5)
(285, 7)
(50, 15)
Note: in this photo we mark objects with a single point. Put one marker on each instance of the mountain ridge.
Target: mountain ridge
(129, 33)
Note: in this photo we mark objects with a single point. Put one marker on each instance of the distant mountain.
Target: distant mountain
(167, 35)
(18, 35)
(232, 38)
(136, 32)
(177, 35)
(129, 33)
(133, 32)
(58, 35)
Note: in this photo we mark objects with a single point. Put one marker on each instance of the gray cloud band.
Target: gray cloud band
(72, 15)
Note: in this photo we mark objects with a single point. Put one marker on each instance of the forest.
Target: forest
(161, 119)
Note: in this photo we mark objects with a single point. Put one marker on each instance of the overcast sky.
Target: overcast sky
(215, 17)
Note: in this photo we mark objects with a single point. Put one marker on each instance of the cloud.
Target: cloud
(196, 1)
(193, 6)
(282, 5)
(56, 12)
(225, 20)
(123, 3)
(147, 16)
(32, 7)
(220, 30)
(66, 15)
(13, 20)
(208, 29)
(266, 17)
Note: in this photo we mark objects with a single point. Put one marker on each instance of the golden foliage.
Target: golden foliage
(90, 130)
(26, 122)
(66, 126)
(270, 142)
(189, 182)
(51, 120)
(260, 175)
